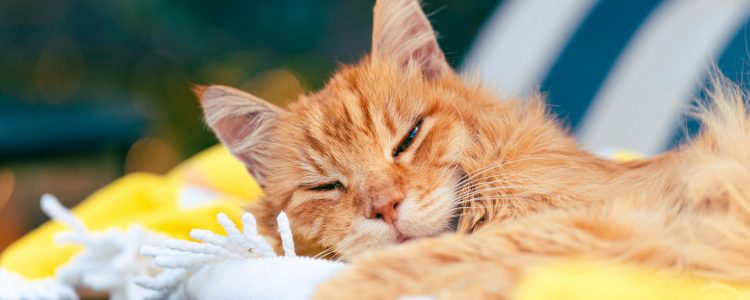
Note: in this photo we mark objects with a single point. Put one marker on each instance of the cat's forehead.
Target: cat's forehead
(364, 97)
(357, 118)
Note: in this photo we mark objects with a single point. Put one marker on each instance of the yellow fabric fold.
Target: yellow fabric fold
(214, 177)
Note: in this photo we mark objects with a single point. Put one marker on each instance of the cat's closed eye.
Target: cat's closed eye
(336, 185)
(408, 139)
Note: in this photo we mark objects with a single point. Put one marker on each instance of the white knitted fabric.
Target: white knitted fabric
(14, 286)
(241, 265)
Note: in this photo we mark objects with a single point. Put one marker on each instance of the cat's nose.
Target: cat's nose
(386, 207)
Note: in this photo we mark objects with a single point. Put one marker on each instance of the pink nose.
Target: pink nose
(385, 208)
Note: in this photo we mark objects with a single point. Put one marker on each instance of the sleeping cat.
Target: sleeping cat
(399, 149)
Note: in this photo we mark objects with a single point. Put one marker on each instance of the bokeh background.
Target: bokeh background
(91, 90)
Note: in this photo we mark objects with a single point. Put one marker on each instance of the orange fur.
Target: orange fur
(523, 192)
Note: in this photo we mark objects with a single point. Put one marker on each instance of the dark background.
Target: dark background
(93, 89)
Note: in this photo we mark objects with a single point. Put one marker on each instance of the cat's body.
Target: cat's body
(398, 147)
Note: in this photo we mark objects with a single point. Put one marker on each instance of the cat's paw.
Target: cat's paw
(439, 268)
(372, 278)
(393, 273)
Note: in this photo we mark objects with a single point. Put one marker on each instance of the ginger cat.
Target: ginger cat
(399, 148)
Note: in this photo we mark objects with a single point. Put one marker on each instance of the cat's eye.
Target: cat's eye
(336, 185)
(408, 139)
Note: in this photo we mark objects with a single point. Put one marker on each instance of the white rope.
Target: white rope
(285, 231)
(109, 262)
(52, 207)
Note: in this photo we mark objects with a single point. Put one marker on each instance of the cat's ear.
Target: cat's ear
(242, 123)
(402, 32)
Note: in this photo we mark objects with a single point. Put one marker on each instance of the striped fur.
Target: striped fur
(522, 190)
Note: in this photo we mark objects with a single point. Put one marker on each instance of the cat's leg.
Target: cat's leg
(435, 267)
(489, 263)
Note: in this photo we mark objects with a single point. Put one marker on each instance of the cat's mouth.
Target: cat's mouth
(455, 218)
(401, 238)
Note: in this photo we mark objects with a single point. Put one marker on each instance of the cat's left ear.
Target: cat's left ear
(401, 31)
(242, 122)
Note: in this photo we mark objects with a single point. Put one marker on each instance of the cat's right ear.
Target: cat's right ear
(401, 31)
(241, 122)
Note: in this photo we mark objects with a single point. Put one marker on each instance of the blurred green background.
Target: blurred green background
(93, 89)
